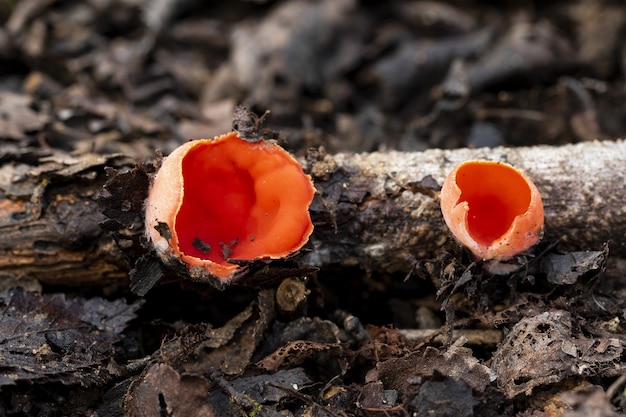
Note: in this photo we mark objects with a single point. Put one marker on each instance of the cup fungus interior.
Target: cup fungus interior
(495, 194)
(242, 201)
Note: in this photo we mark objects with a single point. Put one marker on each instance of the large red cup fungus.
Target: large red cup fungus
(492, 208)
(228, 200)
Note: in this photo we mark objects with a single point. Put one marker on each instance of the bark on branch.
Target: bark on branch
(376, 210)
(380, 210)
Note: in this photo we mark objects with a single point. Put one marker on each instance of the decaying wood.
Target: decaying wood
(379, 210)
(49, 218)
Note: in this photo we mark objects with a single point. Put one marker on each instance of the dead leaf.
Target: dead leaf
(458, 362)
(18, 117)
(543, 350)
(297, 352)
(279, 43)
(447, 397)
(227, 349)
(588, 402)
(567, 268)
(164, 392)
(301, 340)
(48, 338)
(265, 390)
(374, 398)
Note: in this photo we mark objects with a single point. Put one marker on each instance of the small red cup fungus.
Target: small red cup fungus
(492, 208)
(226, 200)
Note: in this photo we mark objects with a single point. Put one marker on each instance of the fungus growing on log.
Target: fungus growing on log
(492, 208)
(216, 202)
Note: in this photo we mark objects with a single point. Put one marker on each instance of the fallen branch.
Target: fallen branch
(381, 210)
(378, 210)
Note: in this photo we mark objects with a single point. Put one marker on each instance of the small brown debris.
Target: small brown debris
(291, 296)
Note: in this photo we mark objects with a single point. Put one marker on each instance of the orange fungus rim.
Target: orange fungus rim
(492, 208)
(227, 200)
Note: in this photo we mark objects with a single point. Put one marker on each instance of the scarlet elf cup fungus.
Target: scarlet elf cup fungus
(492, 208)
(227, 200)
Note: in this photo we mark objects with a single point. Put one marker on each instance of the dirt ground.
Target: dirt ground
(93, 93)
